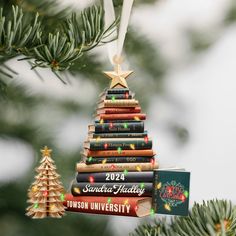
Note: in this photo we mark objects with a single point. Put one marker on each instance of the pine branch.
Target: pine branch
(22, 35)
(16, 33)
(216, 217)
(88, 30)
(212, 218)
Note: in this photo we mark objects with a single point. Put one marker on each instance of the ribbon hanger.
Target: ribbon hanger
(115, 47)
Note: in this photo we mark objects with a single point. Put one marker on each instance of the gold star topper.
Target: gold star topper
(118, 77)
(46, 151)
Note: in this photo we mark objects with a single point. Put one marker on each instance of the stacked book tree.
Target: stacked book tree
(115, 176)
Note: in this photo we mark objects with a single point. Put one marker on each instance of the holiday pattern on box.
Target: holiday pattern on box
(171, 192)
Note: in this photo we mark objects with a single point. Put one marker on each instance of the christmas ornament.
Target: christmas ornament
(46, 193)
(115, 175)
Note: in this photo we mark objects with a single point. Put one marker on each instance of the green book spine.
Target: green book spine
(118, 96)
(126, 145)
(101, 160)
(120, 135)
(117, 91)
(128, 127)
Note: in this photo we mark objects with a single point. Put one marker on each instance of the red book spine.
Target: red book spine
(130, 116)
(103, 205)
(121, 110)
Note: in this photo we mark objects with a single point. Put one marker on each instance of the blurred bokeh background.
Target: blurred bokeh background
(184, 57)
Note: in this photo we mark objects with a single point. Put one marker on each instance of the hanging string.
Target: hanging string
(115, 47)
(109, 19)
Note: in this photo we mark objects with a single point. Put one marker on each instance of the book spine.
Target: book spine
(94, 205)
(120, 110)
(82, 167)
(132, 127)
(107, 153)
(131, 177)
(118, 96)
(100, 160)
(112, 189)
(123, 122)
(155, 190)
(120, 103)
(127, 145)
(117, 91)
(120, 135)
(131, 116)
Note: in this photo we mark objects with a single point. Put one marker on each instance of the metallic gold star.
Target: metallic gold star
(118, 77)
(46, 151)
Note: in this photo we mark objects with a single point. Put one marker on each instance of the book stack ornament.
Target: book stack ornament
(116, 174)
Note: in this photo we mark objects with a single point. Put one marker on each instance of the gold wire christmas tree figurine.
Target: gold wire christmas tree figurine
(46, 193)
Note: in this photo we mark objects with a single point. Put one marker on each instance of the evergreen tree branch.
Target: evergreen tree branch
(22, 35)
(16, 33)
(212, 218)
